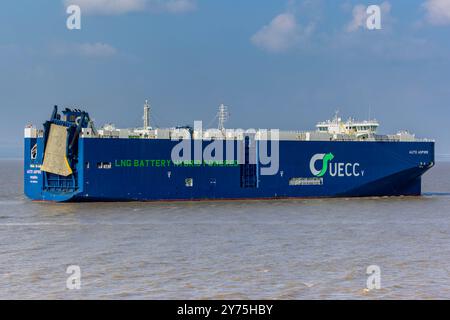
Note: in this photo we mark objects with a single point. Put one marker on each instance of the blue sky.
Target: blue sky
(276, 64)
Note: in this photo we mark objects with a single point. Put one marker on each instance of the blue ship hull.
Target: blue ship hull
(141, 170)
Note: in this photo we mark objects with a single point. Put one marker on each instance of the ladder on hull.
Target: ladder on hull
(249, 172)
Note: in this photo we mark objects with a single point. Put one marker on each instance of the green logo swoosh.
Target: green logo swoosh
(328, 157)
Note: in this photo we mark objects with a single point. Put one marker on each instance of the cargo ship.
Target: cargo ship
(70, 160)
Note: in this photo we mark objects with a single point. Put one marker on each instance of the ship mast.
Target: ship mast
(146, 115)
(223, 116)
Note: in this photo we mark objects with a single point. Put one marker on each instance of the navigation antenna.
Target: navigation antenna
(336, 115)
(223, 116)
(146, 115)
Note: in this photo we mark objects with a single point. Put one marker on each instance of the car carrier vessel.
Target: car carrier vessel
(70, 160)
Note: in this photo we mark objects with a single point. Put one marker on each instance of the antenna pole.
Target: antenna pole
(146, 115)
(223, 116)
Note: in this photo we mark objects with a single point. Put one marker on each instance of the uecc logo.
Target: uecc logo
(335, 169)
(325, 158)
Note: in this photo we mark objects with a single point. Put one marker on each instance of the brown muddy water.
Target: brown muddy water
(290, 249)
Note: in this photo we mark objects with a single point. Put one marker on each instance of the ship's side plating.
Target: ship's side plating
(142, 170)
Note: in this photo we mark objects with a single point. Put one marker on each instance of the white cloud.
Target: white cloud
(360, 16)
(437, 12)
(177, 6)
(108, 6)
(282, 33)
(95, 50)
(117, 7)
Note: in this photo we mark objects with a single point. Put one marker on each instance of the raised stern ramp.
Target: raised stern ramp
(55, 156)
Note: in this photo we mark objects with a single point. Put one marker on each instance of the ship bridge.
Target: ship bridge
(360, 129)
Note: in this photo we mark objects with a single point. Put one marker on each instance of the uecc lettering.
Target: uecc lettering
(334, 169)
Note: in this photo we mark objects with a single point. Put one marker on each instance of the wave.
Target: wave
(436, 194)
